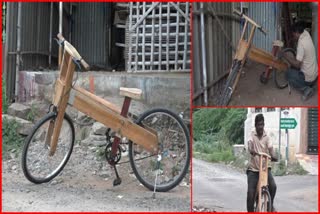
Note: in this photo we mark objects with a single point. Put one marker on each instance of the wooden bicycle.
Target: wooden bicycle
(159, 142)
(246, 50)
(263, 201)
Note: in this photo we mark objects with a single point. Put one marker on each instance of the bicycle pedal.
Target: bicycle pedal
(116, 181)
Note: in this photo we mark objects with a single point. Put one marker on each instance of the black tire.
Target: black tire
(228, 90)
(266, 204)
(279, 77)
(175, 152)
(31, 165)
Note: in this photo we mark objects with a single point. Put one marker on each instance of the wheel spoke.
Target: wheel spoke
(37, 165)
(174, 144)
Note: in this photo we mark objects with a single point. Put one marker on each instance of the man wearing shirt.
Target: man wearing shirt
(304, 71)
(259, 142)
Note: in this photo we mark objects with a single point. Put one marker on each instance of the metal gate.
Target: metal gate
(158, 37)
(312, 131)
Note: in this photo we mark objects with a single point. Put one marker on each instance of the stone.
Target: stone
(72, 112)
(19, 110)
(44, 79)
(94, 140)
(82, 133)
(99, 129)
(25, 126)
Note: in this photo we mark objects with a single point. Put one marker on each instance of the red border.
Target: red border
(157, 1)
(191, 102)
(191, 86)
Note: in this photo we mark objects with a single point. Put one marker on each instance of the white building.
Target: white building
(303, 139)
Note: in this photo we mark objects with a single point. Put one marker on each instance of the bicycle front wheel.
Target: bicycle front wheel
(279, 77)
(266, 204)
(174, 151)
(37, 165)
(228, 89)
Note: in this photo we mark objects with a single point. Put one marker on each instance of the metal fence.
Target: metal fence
(158, 37)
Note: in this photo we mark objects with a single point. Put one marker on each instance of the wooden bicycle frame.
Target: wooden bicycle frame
(263, 175)
(95, 107)
(245, 50)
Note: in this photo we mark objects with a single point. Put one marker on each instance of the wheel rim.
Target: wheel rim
(173, 151)
(40, 166)
(280, 79)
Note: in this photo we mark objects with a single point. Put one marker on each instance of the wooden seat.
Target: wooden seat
(133, 93)
(278, 43)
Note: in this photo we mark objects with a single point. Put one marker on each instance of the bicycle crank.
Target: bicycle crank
(112, 160)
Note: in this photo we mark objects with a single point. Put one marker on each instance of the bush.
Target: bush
(10, 136)
(280, 169)
(225, 124)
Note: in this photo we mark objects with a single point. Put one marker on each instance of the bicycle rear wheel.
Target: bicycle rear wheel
(174, 149)
(37, 165)
(228, 89)
(279, 77)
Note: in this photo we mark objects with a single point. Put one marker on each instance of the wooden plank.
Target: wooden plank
(64, 66)
(123, 126)
(63, 104)
(49, 133)
(267, 59)
(58, 92)
(100, 100)
(242, 49)
(60, 83)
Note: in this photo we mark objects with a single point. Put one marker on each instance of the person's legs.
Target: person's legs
(296, 79)
(272, 186)
(253, 178)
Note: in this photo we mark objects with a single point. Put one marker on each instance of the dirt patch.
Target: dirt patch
(251, 92)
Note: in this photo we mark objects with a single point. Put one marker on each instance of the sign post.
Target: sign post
(287, 123)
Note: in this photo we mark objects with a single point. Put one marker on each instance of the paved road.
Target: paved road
(221, 188)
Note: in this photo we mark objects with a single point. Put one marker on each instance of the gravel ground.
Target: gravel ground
(85, 184)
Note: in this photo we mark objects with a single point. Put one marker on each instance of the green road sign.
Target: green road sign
(288, 123)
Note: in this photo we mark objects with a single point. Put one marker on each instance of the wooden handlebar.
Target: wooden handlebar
(250, 20)
(72, 51)
(264, 154)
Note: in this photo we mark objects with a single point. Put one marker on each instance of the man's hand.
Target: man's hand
(274, 159)
(253, 153)
(280, 54)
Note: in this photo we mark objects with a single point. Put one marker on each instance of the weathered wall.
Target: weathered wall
(159, 90)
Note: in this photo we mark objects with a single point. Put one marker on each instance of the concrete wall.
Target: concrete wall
(159, 90)
(271, 120)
